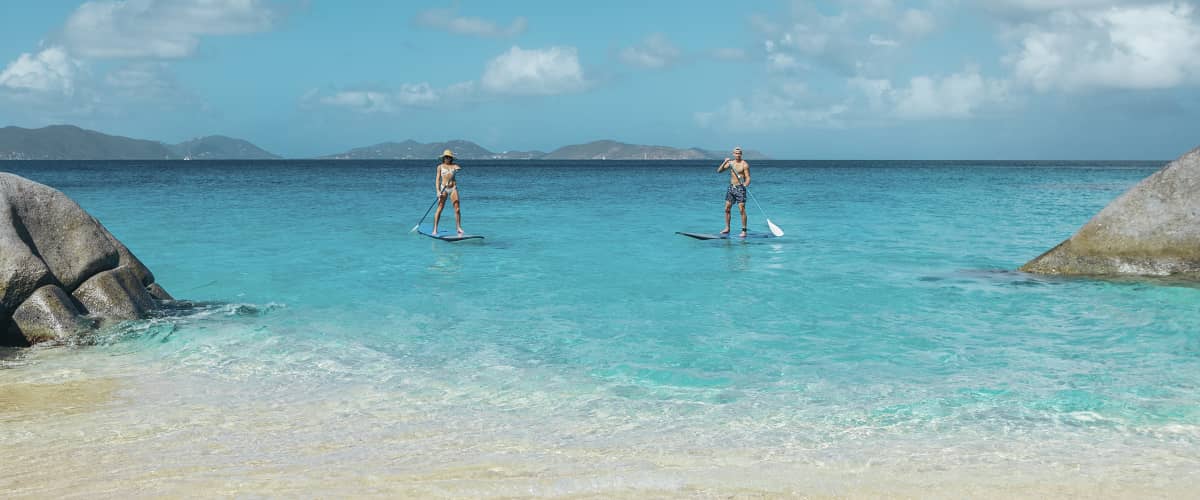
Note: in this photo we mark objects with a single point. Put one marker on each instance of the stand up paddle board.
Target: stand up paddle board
(728, 236)
(447, 235)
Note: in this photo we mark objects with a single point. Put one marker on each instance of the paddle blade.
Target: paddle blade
(414, 229)
(774, 229)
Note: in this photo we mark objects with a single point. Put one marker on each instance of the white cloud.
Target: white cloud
(517, 72)
(75, 91)
(856, 36)
(1151, 46)
(406, 96)
(881, 41)
(787, 104)
(1053, 5)
(960, 95)
(815, 39)
(654, 53)
(877, 7)
(55, 80)
(139, 76)
(555, 70)
(877, 91)
(852, 41)
(50, 71)
(421, 94)
(780, 62)
(366, 101)
(765, 113)
(145, 83)
(916, 23)
(158, 29)
(449, 20)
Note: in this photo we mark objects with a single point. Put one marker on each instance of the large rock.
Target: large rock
(1151, 230)
(157, 292)
(21, 270)
(71, 242)
(55, 256)
(125, 258)
(47, 315)
(116, 295)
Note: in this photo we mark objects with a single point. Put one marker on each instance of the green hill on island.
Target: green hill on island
(613, 150)
(219, 147)
(68, 142)
(413, 150)
(597, 150)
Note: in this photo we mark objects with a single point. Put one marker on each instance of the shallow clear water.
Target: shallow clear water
(883, 346)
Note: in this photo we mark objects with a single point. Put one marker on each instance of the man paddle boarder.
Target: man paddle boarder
(739, 179)
(447, 187)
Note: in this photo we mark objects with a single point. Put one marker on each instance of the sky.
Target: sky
(835, 79)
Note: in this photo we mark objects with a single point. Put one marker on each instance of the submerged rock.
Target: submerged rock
(61, 271)
(1151, 230)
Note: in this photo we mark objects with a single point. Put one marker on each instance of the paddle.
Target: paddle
(435, 200)
(771, 225)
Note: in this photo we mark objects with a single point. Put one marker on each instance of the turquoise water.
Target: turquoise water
(584, 348)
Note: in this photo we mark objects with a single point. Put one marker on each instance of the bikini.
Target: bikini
(445, 171)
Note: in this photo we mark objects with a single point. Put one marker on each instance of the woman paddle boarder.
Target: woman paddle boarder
(447, 188)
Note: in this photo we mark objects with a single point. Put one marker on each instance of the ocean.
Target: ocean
(884, 347)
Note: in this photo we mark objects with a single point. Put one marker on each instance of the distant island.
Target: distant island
(612, 150)
(596, 150)
(413, 150)
(68, 142)
(219, 147)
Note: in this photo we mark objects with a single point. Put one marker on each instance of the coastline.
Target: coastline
(127, 426)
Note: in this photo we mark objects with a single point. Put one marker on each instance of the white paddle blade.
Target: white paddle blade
(414, 229)
(774, 229)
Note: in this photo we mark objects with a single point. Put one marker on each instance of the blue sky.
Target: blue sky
(837, 79)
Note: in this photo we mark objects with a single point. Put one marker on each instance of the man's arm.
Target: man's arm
(747, 180)
(724, 165)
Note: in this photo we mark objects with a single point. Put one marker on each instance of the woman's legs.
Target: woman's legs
(437, 216)
(457, 213)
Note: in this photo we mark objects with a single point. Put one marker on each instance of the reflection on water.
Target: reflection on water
(447, 257)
